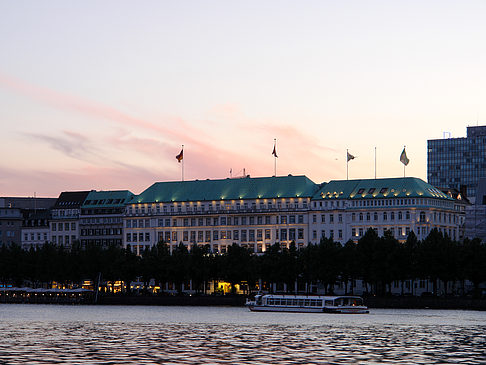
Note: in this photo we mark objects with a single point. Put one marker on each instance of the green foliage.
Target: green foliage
(378, 261)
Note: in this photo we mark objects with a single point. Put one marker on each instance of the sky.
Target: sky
(102, 95)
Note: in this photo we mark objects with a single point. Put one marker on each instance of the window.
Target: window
(267, 219)
(300, 234)
(236, 235)
(215, 235)
(314, 218)
(353, 232)
(331, 218)
(360, 216)
(314, 235)
(208, 236)
(361, 191)
(422, 217)
(300, 219)
(400, 216)
(251, 235)
(283, 235)
(331, 234)
(385, 216)
(323, 218)
(340, 234)
(368, 216)
(283, 219)
(185, 236)
(383, 190)
(259, 235)
(292, 234)
(407, 215)
(340, 218)
(73, 226)
(371, 191)
(243, 235)
(375, 216)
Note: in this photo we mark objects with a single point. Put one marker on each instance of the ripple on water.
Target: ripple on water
(117, 342)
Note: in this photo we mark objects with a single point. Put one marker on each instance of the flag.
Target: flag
(349, 156)
(180, 156)
(403, 157)
(274, 151)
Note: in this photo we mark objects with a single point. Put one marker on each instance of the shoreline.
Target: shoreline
(454, 303)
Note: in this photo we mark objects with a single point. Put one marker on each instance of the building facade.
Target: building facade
(458, 162)
(10, 226)
(35, 228)
(101, 220)
(258, 212)
(64, 223)
(252, 212)
(346, 209)
(12, 212)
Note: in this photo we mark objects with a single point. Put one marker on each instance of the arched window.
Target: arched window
(422, 217)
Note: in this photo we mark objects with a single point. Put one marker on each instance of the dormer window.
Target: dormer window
(371, 191)
(383, 190)
(361, 191)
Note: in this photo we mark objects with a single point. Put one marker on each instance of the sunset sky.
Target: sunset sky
(101, 95)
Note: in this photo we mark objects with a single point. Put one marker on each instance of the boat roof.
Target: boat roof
(325, 297)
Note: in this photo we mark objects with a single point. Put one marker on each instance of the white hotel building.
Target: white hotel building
(257, 212)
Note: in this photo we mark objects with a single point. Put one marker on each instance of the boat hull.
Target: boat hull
(343, 310)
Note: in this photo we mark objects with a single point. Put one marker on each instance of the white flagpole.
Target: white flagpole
(404, 164)
(347, 163)
(182, 163)
(375, 162)
(275, 157)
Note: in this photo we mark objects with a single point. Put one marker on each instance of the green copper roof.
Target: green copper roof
(228, 189)
(107, 199)
(401, 187)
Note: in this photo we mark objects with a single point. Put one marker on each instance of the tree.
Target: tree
(328, 254)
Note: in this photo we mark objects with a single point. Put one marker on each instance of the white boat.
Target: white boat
(307, 304)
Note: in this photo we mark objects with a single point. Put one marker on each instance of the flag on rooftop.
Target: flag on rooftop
(349, 156)
(180, 156)
(403, 157)
(274, 150)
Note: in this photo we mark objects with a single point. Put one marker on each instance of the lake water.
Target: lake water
(51, 334)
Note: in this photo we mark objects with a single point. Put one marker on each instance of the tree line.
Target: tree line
(378, 261)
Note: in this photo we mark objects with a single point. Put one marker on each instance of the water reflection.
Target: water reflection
(85, 339)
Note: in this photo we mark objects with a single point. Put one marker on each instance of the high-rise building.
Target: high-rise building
(458, 162)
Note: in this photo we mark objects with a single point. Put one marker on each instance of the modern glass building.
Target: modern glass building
(458, 162)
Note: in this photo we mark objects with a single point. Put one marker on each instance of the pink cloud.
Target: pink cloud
(227, 139)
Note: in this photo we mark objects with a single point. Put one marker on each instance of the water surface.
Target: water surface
(49, 334)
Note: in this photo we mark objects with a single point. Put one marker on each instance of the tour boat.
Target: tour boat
(307, 304)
